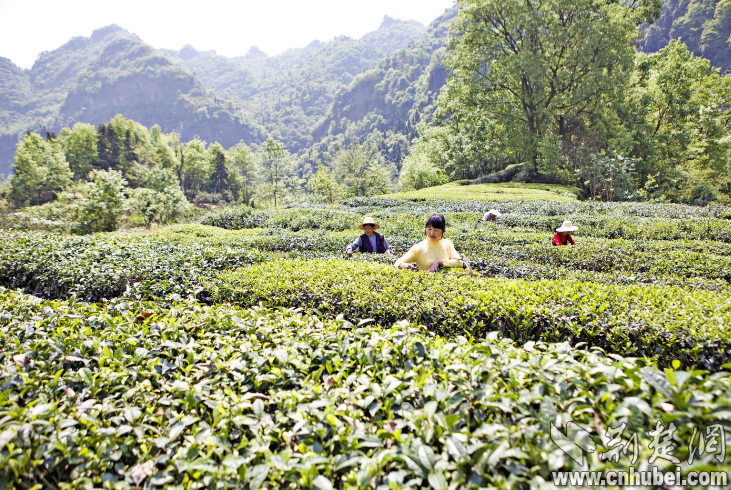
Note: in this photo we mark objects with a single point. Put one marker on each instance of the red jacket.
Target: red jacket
(557, 240)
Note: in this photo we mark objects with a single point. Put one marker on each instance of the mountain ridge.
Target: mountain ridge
(91, 79)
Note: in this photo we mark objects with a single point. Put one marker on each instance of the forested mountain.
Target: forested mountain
(703, 25)
(385, 103)
(294, 95)
(113, 71)
(193, 93)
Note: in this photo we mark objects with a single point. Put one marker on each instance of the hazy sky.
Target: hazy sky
(230, 27)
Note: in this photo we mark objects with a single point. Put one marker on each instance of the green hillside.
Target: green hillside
(113, 71)
(296, 95)
(193, 93)
(385, 103)
(704, 27)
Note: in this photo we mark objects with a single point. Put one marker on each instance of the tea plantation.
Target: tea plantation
(249, 352)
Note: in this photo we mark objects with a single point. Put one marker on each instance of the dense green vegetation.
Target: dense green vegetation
(661, 259)
(130, 393)
(703, 26)
(630, 126)
(89, 80)
(247, 350)
(223, 99)
(595, 114)
(630, 321)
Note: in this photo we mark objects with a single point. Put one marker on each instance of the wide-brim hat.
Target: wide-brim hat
(369, 221)
(495, 213)
(566, 227)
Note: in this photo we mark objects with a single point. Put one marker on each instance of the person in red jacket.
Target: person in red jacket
(563, 234)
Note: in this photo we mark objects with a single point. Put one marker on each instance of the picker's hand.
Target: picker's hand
(435, 266)
(349, 252)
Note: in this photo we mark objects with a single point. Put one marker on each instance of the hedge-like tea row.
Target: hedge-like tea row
(538, 207)
(690, 326)
(178, 259)
(242, 217)
(136, 395)
(109, 266)
(597, 220)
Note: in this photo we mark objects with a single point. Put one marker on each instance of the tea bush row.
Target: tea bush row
(139, 395)
(242, 217)
(109, 266)
(508, 254)
(179, 259)
(408, 219)
(690, 326)
(538, 207)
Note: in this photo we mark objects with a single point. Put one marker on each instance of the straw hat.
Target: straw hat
(567, 226)
(495, 213)
(369, 221)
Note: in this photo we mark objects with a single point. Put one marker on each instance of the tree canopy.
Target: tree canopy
(523, 73)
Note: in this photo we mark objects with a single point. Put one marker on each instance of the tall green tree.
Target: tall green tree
(245, 162)
(40, 171)
(275, 167)
(163, 147)
(361, 170)
(324, 186)
(103, 202)
(80, 148)
(679, 120)
(220, 181)
(523, 73)
(197, 168)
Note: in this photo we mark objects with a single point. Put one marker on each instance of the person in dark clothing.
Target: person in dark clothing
(369, 241)
(563, 234)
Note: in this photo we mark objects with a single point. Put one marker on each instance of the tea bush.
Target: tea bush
(242, 217)
(108, 266)
(689, 326)
(177, 259)
(127, 394)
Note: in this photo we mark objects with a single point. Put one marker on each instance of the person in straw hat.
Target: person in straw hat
(563, 234)
(491, 215)
(369, 241)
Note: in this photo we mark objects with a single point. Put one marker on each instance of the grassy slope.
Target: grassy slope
(492, 192)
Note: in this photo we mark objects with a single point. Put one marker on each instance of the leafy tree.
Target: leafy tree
(158, 179)
(220, 182)
(102, 202)
(245, 161)
(676, 114)
(275, 167)
(41, 171)
(522, 73)
(161, 207)
(103, 147)
(360, 169)
(323, 185)
(164, 148)
(417, 172)
(80, 148)
(197, 167)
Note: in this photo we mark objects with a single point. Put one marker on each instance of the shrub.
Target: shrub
(505, 175)
(159, 207)
(417, 172)
(107, 266)
(702, 194)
